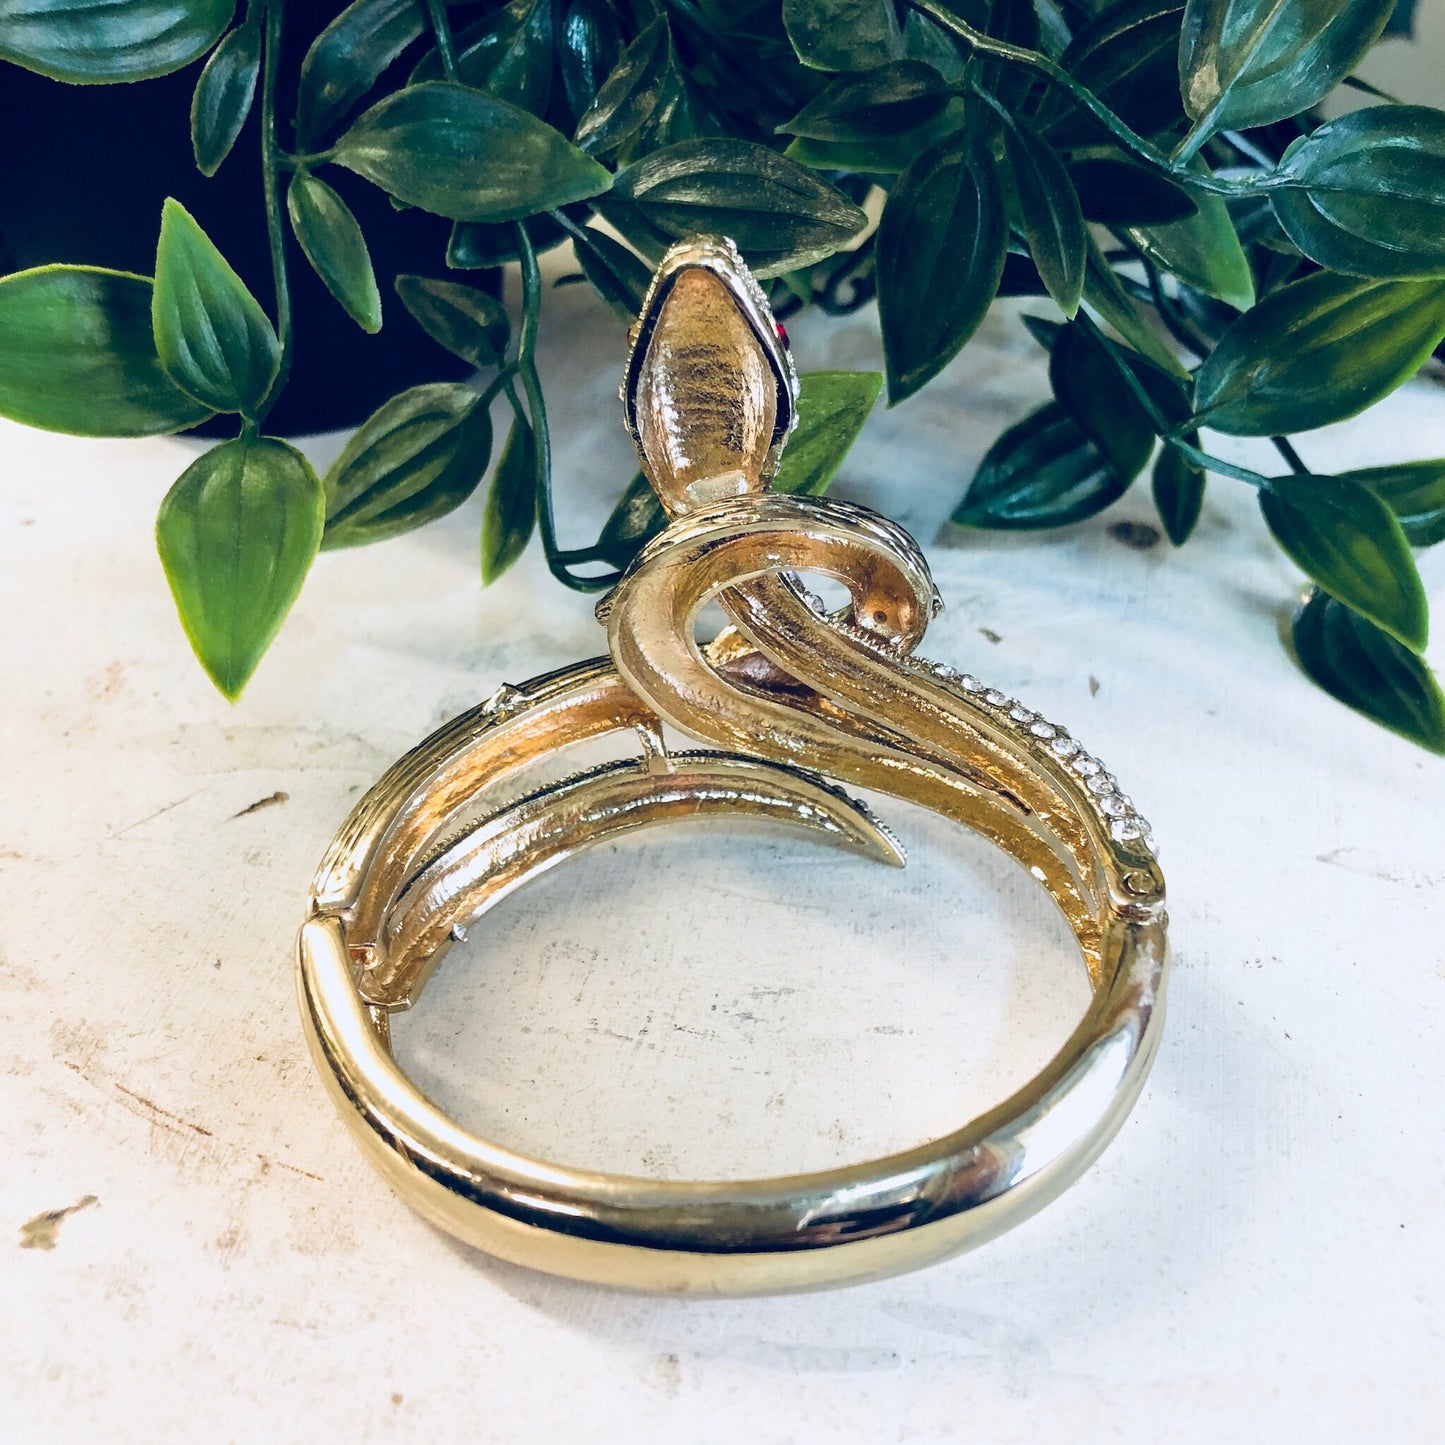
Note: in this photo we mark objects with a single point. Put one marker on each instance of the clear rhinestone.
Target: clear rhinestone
(944, 671)
(1019, 713)
(1100, 783)
(1124, 829)
(1064, 747)
(1085, 765)
(994, 698)
(969, 683)
(1114, 806)
(1042, 729)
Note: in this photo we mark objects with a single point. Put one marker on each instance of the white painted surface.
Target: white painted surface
(1258, 1257)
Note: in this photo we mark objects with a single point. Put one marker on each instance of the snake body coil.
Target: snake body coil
(793, 701)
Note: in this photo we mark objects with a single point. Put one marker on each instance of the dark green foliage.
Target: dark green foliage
(1218, 258)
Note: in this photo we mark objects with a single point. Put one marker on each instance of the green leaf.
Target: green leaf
(333, 243)
(222, 97)
(237, 535)
(511, 510)
(1114, 191)
(1091, 389)
(832, 407)
(214, 340)
(843, 34)
(1345, 539)
(1043, 472)
(1043, 331)
(884, 155)
(508, 53)
(1127, 55)
(96, 42)
(1248, 63)
(466, 154)
(588, 45)
(1415, 492)
(79, 355)
(617, 275)
(630, 93)
(347, 59)
(779, 213)
(1367, 192)
(1317, 351)
(1016, 23)
(1366, 669)
(941, 248)
(680, 114)
(1107, 299)
(480, 246)
(468, 322)
(1178, 492)
(1402, 19)
(417, 457)
(1202, 250)
(636, 519)
(895, 98)
(1053, 221)
(627, 220)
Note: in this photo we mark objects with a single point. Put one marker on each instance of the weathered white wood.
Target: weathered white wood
(1258, 1256)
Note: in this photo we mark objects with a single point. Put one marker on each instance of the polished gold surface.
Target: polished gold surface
(793, 702)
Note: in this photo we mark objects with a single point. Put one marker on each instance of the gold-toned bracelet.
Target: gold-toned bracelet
(792, 701)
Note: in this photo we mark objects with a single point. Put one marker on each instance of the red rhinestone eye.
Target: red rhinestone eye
(782, 334)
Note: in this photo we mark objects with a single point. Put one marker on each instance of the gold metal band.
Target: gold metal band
(793, 701)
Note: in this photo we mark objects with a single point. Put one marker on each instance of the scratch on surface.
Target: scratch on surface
(1339, 858)
(989, 635)
(150, 817)
(40, 1232)
(272, 800)
(268, 1163)
(149, 1110)
(163, 1117)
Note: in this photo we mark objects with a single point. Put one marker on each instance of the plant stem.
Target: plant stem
(1216, 464)
(303, 160)
(1034, 60)
(442, 28)
(1248, 149)
(275, 228)
(1177, 166)
(1194, 141)
(526, 367)
(1170, 435)
(1296, 462)
(1175, 322)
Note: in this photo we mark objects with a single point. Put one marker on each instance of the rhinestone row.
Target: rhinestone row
(1117, 810)
(1124, 823)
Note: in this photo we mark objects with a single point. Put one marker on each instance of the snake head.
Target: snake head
(710, 393)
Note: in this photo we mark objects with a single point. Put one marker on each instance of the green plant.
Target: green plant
(1217, 257)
